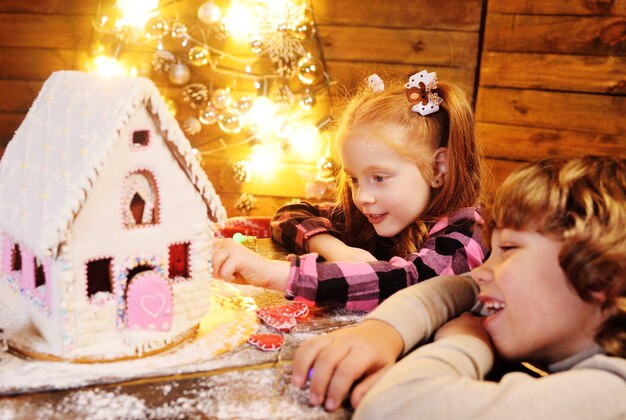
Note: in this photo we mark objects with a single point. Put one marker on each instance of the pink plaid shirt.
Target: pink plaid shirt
(454, 246)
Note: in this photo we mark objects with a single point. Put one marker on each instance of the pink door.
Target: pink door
(149, 303)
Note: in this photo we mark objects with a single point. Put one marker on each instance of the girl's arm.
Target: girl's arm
(292, 225)
(451, 249)
(444, 379)
(304, 227)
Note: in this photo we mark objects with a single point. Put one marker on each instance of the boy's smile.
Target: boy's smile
(387, 188)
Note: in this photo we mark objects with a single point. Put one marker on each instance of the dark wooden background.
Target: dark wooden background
(549, 76)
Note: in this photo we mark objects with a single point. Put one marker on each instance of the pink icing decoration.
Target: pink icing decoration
(47, 269)
(149, 303)
(27, 278)
(7, 248)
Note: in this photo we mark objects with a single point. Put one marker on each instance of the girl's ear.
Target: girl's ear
(599, 297)
(440, 167)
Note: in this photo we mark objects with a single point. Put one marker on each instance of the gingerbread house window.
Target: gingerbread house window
(16, 258)
(141, 139)
(40, 275)
(179, 260)
(140, 200)
(99, 277)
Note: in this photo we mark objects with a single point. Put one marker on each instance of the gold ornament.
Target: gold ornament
(229, 121)
(157, 28)
(208, 115)
(179, 30)
(209, 13)
(326, 169)
(179, 74)
(309, 70)
(198, 56)
(243, 104)
(221, 98)
(303, 30)
(307, 100)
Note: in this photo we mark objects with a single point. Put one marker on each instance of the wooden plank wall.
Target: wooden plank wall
(552, 80)
(552, 73)
(358, 38)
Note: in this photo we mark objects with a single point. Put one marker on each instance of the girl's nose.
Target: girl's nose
(363, 196)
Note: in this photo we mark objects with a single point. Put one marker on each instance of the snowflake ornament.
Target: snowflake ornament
(279, 34)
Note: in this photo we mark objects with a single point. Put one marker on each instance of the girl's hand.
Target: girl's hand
(465, 324)
(344, 356)
(333, 249)
(236, 263)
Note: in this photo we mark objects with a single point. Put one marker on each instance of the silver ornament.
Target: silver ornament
(179, 74)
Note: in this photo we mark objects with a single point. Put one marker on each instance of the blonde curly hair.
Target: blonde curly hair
(582, 202)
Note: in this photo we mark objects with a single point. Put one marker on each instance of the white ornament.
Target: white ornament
(179, 74)
(209, 13)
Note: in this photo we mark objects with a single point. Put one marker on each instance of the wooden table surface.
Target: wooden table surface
(249, 384)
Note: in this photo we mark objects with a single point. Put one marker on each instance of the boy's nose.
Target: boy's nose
(482, 274)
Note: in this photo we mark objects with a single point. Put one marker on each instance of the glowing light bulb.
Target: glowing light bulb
(262, 161)
(107, 66)
(261, 114)
(305, 140)
(137, 12)
(240, 20)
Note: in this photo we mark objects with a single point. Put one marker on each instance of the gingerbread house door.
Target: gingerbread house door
(149, 302)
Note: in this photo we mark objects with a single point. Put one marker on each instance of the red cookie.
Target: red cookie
(277, 319)
(267, 342)
(296, 309)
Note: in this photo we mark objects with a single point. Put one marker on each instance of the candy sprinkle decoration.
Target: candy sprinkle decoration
(267, 342)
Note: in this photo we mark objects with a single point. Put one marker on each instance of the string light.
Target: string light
(270, 44)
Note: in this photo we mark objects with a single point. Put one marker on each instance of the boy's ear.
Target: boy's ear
(440, 167)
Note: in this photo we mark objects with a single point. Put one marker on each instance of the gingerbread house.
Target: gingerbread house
(106, 221)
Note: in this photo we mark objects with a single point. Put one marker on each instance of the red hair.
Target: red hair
(417, 138)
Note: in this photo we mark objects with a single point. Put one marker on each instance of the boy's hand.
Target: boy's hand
(236, 263)
(333, 249)
(465, 324)
(344, 356)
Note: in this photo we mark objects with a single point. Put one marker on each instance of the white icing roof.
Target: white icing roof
(50, 164)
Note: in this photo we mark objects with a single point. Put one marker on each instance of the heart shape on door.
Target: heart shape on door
(153, 304)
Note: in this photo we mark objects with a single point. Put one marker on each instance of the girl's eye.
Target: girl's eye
(353, 180)
(378, 178)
